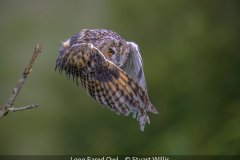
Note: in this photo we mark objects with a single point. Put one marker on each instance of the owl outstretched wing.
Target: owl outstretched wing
(134, 68)
(134, 65)
(104, 81)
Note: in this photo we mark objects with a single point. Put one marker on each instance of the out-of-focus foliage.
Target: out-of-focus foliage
(192, 67)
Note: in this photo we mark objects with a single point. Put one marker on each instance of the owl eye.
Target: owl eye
(110, 52)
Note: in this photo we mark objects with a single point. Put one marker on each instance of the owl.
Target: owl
(109, 69)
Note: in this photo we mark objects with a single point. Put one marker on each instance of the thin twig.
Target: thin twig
(14, 109)
(8, 106)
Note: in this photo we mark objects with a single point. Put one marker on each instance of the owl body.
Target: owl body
(109, 69)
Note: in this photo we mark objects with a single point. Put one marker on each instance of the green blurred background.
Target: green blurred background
(191, 61)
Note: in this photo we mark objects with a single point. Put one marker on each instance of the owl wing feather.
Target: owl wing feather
(134, 65)
(104, 81)
(134, 68)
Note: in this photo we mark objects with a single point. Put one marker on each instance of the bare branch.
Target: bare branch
(8, 106)
(14, 109)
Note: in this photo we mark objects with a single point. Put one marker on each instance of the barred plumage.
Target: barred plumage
(109, 69)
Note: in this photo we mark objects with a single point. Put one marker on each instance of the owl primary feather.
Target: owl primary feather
(109, 69)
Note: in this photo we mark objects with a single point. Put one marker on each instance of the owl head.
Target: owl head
(112, 45)
(116, 51)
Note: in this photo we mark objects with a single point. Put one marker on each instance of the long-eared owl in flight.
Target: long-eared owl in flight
(110, 70)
